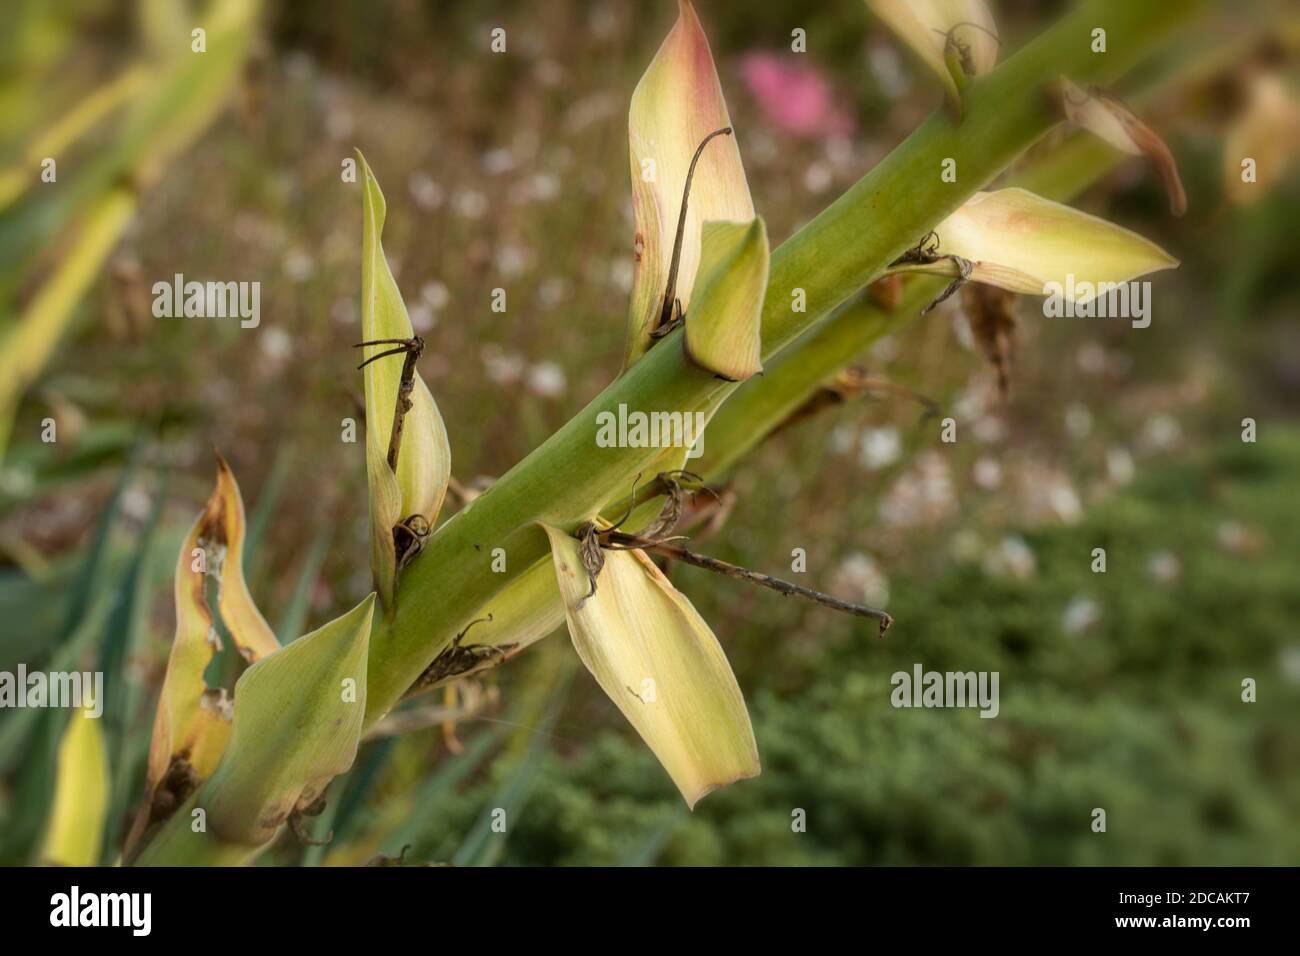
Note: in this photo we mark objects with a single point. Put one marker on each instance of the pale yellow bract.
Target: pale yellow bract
(677, 103)
(424, 461)
(660, 664)
(1021, 242)
(925, 27)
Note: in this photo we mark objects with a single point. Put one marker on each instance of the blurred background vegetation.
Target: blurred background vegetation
(1119, 690)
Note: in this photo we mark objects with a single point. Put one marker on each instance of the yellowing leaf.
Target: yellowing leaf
(66, 130)
(1113, 122)
(26, 345)
(297, 722)
(81, 796)
(424, 459)
(722, 332)
(223, 537)
(677, 103)
(954, 38)
(660, 664)
(192, 723)
(1021, 242)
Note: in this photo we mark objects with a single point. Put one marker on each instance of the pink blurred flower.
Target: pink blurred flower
(794, 97)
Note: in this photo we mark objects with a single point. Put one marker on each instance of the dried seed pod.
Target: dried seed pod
(992, 316)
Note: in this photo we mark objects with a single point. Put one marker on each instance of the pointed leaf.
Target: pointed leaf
(192, 723)
(1021, 242)
(297, 722)
(722, 334)
(926, 27)
(424, 459)
(225, 534)
(677, 103)
(81, 796)
(660, 664)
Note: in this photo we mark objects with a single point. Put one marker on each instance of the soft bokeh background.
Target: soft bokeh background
(1118, 690)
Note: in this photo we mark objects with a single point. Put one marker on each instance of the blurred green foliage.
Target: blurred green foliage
(1140, 715)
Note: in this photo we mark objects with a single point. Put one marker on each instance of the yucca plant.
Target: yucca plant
(569, 534)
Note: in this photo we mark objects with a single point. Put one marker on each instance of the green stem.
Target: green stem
(568, 478)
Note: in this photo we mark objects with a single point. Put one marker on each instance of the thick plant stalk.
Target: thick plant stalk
(530, 607)
(568, 478)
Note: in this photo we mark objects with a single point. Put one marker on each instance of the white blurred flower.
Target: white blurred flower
(860, 576)
(989, 429)
(544, 186)
(498, 161)
(922, 495)
(1078, 421)
(1235, 537)
(547, 379)
(512, 260)
(962, 330)
(552, 292)
(1011, 558)
(1164, 567)
(987, 473)
(1081, 614)
(422, 317)
(470, 204)
(435, 294)
(426, 193)
(344, 312)
(1064, 500)
(817, 178)
(136, 503)
(299, 266)
(17, 480)
(1091, 358)
(276, 345)
(839, 150)
(621, 272)
(339, 124)
(887, 70)
(1162, 432)
(503, 368)
(880, 447)
(1119, 465)
(969, 404)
